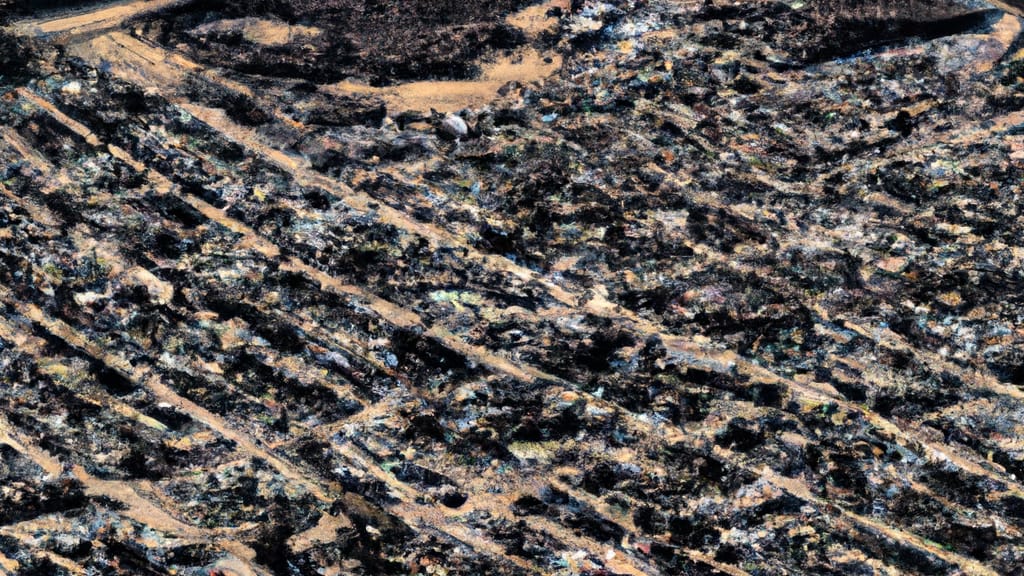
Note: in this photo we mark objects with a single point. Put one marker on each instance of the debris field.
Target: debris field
(326, 287)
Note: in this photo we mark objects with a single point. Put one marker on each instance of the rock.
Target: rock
(72, 88)
(160, 292)
(454, 126)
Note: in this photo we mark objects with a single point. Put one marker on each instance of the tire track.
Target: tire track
(690, 354)
(94, 21)
(823, 393)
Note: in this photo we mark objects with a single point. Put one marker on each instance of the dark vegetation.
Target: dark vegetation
(16, 54)
(382, 41)
(786, 220)
(835, 28)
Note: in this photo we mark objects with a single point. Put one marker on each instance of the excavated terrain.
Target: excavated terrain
(688, 288)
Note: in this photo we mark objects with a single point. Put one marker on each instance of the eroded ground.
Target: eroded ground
(701, 290)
